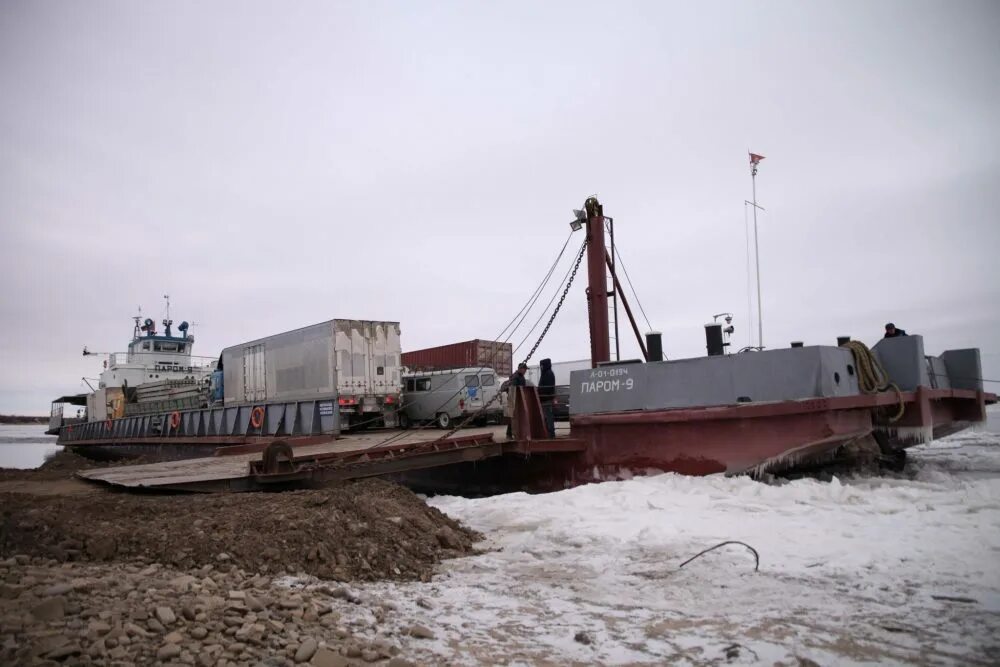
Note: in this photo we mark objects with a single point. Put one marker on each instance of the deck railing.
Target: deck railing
(154, 359)
(212, 425)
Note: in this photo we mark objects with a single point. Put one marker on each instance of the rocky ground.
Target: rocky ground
(111, 578)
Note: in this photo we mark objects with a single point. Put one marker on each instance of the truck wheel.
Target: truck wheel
(443, 420)
(404, 420)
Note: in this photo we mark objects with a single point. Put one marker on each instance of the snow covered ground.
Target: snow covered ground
(856, 571)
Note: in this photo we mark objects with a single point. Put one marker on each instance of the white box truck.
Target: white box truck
(355, 363)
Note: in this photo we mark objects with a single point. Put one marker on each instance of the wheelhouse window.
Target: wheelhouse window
(145, 346)
(165, 346)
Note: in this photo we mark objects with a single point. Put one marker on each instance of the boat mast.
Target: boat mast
(597, 290)
(166, 320)
(754, 161)
(136, 331)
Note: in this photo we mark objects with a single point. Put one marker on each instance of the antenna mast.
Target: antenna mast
(138, 326)
(754, 161)
(166, 320)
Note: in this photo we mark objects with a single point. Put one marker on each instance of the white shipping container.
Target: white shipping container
(340, 359)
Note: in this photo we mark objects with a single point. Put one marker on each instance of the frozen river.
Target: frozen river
(25, 445)
(889, 570)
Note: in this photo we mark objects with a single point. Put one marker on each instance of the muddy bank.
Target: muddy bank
(60, 466)
(92, 576)
(366, 530)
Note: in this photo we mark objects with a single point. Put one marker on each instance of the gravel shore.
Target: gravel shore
(91, 576)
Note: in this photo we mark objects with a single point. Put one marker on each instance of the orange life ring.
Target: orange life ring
(107, 424)
(257, 417)
(175, 419)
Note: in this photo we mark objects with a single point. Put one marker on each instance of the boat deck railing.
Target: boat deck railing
(189, 361)
(216, 425)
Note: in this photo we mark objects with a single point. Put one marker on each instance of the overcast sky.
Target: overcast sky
(272, 165)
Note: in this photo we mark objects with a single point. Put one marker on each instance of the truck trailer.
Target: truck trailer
(355, 363)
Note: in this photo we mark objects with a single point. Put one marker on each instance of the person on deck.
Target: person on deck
(892, 332)
(546, 395)
(516, 380)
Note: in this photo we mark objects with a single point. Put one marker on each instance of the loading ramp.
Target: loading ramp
(353, 457)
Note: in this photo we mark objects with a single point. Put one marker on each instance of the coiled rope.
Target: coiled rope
(872, 377)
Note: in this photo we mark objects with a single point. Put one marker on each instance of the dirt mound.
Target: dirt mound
(364, 530)
(67, 463)
(61, 465)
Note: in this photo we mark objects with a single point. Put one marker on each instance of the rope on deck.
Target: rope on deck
(872, 377)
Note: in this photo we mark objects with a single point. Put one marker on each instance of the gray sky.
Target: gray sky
(271, 165)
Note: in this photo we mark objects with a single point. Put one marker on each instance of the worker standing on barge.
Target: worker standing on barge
(547, 394)
(516, 380)
(892, 332)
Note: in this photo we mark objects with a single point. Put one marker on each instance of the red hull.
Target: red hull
(751, 438)
(748, 438)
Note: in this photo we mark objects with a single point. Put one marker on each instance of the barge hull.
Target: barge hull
(741, 439)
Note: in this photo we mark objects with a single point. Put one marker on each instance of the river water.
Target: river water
(25, 445)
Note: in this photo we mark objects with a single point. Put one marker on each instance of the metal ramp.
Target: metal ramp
(274, 468)
(280, 465)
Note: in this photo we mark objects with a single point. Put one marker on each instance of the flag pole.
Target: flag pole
(754, 161)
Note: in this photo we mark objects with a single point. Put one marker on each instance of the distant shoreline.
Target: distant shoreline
(22, 419)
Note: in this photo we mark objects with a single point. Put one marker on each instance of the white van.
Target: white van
(446, 396)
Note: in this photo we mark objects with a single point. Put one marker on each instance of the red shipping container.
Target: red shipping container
(469, 354)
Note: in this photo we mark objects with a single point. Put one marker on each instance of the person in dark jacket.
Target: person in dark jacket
(892, 332)
(546, 394)
(516, 380)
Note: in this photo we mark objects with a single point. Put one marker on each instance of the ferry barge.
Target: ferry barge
(757, 412)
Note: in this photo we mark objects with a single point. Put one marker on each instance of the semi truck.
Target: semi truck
(355, 363)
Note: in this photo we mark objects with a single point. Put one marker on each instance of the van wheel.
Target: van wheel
(443, 420)
(404, 420)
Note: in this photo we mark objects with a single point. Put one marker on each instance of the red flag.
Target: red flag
(755, 159)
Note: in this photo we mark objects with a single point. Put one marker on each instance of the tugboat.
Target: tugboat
(157, 374)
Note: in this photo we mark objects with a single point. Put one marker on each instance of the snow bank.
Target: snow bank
(881, 570)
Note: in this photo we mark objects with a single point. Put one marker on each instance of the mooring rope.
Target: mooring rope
(872, 376)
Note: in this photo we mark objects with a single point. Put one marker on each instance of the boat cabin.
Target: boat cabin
(154, 364)
(152, 357)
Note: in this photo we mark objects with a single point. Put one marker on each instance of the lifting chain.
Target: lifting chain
(590, 333)
(562, 298)
(534, 347)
